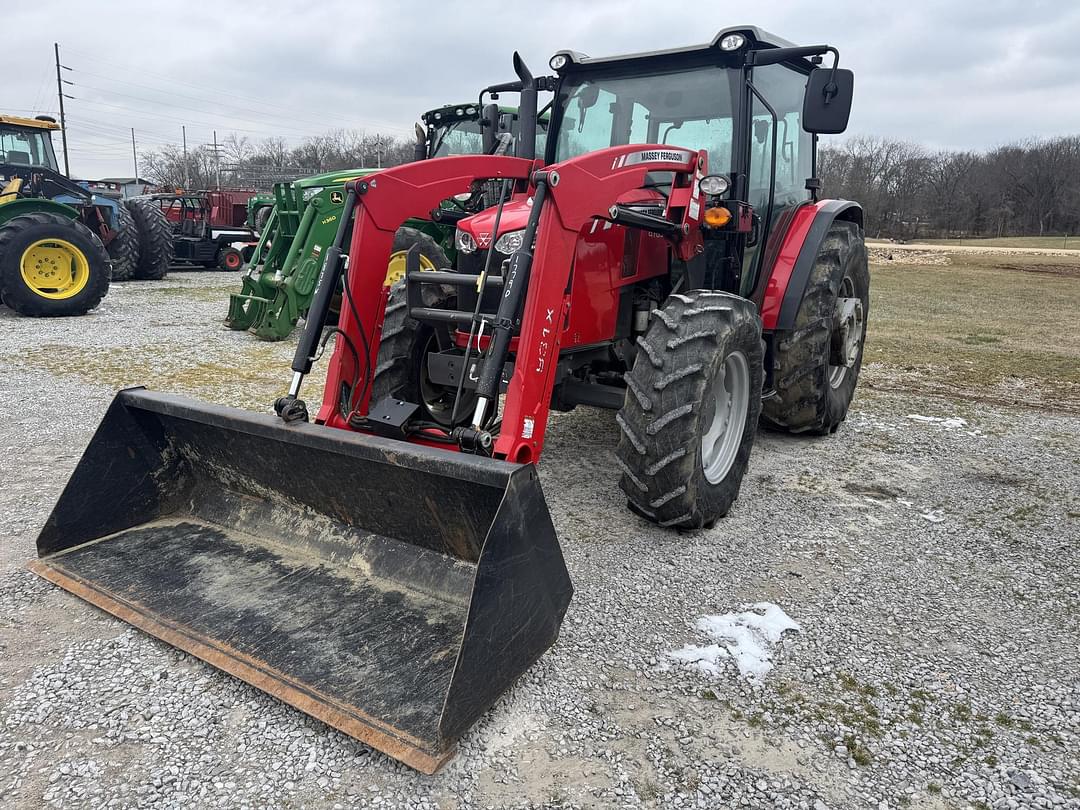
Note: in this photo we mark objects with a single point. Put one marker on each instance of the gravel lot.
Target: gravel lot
(932, 565)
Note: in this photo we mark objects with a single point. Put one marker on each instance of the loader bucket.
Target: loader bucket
(391, 590)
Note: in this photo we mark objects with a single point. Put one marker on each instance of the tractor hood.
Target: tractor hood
(515, 215)
(480, 226)
(338, 178)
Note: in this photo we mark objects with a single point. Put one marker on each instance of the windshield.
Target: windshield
(460, 137)
(692, 108)
(26, 147)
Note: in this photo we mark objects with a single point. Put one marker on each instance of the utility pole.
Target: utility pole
(60, 82)
(183, 130)
(134, 155)
(217, 163)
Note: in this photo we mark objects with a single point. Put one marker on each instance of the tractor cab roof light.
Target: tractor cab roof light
(559, 61)
(732, 42)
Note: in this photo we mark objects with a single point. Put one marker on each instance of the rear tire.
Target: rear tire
(693, 398)
(261, 217)
(155, 239)
(18, 238)
(124, 247)
(812, 394)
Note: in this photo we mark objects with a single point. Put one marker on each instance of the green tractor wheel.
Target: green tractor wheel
(51, 266)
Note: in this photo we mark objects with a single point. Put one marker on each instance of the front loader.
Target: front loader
(390, 566)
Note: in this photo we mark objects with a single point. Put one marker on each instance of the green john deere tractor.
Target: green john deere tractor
(279, 279)
(51, 263)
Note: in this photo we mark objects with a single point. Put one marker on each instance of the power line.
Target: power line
(217, 104)
(262, 102)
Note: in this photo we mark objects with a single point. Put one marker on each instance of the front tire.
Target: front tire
(693, 398)
(51, 266)
(229, 258)
(401, 369)
(817, 363)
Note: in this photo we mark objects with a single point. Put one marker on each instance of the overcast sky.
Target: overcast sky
(966, 74)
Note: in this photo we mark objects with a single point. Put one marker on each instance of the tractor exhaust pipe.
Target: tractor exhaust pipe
(527, 110)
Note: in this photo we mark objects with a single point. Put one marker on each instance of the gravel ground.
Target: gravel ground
(931, 564)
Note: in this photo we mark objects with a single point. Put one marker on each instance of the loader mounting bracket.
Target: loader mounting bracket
(291, 409)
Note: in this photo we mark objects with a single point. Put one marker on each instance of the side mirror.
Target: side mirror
(489, 127)
(827, 103)
(420, 146)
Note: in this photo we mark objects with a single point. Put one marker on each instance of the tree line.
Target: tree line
(907, 191)
(1031, 188)
(239, 162)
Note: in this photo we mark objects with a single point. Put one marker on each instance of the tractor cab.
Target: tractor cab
(27, 142)
(471, 130)
(743, 98)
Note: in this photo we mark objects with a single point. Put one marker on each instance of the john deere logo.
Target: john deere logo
(336, 197)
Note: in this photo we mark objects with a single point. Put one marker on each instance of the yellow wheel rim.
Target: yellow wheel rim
(55, 268)
(395, 271)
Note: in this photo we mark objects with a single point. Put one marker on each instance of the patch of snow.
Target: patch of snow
(905, 502)
(950, 422)
(747, 637)
(933, 516)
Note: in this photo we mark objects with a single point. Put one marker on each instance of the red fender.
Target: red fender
(799, 246)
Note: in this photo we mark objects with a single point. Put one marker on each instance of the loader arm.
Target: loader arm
(580, 190)
(577, 191)
(384, 201)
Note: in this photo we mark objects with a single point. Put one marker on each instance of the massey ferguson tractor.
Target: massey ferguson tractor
(391, 566)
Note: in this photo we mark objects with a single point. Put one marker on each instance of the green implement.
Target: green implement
(280, 277)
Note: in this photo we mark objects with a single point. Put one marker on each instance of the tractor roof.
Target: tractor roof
(756, 38)
(29, 123)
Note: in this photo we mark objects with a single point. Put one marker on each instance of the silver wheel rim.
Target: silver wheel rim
(725, 409)
(848, 325)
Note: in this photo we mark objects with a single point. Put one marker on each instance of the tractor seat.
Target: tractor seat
(16, 157)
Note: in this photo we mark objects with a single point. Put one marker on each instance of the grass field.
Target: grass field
(1000, 328)
(1047, 242)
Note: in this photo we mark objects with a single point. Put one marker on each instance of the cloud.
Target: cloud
(964, 74)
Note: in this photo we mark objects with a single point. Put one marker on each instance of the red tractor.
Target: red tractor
(393, 568)
(669, 259)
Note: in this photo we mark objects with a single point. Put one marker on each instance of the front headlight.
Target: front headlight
(311, 192)
(714, 184)
(509, 242)
(464, 241)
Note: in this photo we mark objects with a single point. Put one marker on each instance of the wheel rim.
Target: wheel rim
(232, 260)
(55, 269)
(725, 409)
(395, 270)
(439, 399)
(848, 326)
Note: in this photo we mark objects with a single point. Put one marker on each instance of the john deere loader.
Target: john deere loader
(298, 221)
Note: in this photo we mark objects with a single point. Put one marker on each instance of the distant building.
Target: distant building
(130, 186)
